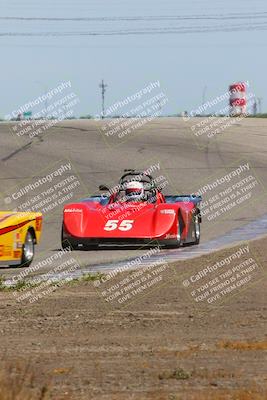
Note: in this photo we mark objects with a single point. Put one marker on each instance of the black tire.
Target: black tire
(69, 244)
(177, 242)
(197, 229)
(28, 250)
(65, 243)
(91, 247)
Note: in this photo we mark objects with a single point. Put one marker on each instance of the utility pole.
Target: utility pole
(103, 87)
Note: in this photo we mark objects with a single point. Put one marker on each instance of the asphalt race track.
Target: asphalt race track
(169, 145)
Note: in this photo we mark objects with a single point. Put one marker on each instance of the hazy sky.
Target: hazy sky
(216, 42)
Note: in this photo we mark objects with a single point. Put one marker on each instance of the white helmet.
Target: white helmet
(134, 191)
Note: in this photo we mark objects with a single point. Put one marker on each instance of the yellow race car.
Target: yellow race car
(19, 232)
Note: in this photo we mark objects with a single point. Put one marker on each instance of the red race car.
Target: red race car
(135, 212)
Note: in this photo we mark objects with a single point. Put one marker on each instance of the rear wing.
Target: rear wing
(102, 199)
(184, 198)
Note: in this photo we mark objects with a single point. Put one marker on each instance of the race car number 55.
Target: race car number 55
(124, 225)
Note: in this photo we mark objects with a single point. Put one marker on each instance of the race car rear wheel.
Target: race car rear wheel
(27, 250)
(197, 230)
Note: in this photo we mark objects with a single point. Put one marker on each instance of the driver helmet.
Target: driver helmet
(134, 191)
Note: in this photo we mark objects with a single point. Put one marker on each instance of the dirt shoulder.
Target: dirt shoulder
(161, 345)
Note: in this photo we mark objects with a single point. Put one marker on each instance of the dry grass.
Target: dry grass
(252, 394)
(242, 345)
(17, 383)
(209, 394)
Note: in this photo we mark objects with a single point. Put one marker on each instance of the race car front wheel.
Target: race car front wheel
(177, 242)
(27, 250)
(67, 243)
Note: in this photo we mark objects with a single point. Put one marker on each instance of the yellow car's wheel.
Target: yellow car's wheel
(27, 250)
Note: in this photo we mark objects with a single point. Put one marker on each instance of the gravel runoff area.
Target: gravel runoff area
(161, 344)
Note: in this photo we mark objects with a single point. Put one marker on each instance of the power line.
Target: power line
(230, 16)
(144, 31)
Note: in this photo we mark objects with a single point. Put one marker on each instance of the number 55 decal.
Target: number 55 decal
(113, 224)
